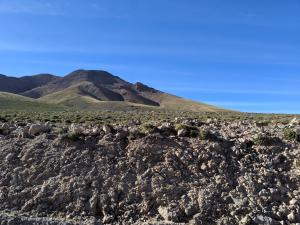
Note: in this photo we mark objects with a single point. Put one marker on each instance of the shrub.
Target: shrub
(289, 134)
(62, 130)
(266, 140)
(191, 131)
(149, 128)
(71, 136)
(3, 119)
(205, 134)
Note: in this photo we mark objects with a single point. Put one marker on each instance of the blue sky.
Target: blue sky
(242, 55)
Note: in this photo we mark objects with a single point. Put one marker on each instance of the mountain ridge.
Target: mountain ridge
(18, 85)
(84, 87)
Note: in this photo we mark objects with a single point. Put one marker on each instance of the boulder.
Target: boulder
(36, 129)
(4, 129)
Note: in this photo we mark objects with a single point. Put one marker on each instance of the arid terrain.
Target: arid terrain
(90, 148)
(164, 168)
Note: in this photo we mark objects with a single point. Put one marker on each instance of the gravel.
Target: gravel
(241, 173)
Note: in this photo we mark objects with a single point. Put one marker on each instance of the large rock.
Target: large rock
(4, 129)
(295, 122)
(36, 129)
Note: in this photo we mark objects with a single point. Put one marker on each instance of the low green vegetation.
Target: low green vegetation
(206, 135)
(67, 116)
(291, 135)
(149, 128)
(71, 136)
(191, 131)
(266, 140)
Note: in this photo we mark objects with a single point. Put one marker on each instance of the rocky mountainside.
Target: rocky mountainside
(91, 88)
(18, 85)
(181, 171)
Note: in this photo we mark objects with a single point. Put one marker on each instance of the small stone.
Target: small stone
(294, 202)
(182, 133)
(108, 219)
(246, 220)
(9, 157)
(260, 219)
(292, 217)
(121, 134)
(75, 129)
(107, 129)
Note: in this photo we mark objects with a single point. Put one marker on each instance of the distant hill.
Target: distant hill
(18, 85)
(97, 89)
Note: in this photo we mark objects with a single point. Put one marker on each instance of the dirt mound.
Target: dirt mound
(179, 172)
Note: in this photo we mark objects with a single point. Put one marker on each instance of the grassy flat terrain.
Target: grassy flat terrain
(84, 109)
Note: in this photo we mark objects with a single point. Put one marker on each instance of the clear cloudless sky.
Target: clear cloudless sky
(243, 55)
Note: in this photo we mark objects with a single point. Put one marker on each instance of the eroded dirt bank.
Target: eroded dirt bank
(178, 172)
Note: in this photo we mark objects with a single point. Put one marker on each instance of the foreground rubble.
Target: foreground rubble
(176, 172)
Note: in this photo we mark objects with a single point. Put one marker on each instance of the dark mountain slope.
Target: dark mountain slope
(19, 85)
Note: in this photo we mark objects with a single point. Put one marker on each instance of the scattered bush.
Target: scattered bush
(62, 130)
(149, 128)
(291, 135)
(191, 131)
(266, 140)
(205, 134)
(3, 119)
(262, 123)
(71, 136)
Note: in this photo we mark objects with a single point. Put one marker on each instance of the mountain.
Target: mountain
(97, 89)
(19, 85)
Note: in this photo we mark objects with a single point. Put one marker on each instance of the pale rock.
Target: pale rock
(107, 129)
(295, 121)
(75, 129)
(182, 133)
(9, 157)
(292, 217)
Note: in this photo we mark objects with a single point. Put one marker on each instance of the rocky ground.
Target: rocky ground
(176, 172)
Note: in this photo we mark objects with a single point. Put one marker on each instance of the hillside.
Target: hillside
(9, 101)
(97, 89)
